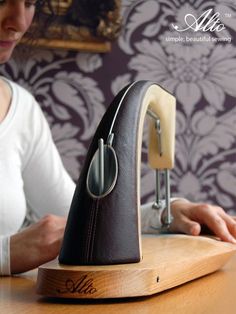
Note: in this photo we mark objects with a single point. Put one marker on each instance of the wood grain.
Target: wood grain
(214, 293)
(168, 261)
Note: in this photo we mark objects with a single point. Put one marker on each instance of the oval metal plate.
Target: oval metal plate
(110, 173)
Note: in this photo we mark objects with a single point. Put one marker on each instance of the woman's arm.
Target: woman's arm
(48, 191)
(37, 244)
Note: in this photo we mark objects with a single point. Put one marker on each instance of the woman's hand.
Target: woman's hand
(37, 244)
(190, 218)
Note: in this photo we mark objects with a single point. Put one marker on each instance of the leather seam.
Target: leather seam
(88, 242)
(94, 229)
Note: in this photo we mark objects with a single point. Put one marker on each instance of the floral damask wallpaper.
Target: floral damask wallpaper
(74, 89)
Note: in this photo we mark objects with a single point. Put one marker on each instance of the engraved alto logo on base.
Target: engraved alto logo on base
(83, 285)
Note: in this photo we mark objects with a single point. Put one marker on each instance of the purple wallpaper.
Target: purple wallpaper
(197, 65)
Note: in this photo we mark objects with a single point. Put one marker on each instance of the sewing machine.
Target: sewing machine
(103, 254)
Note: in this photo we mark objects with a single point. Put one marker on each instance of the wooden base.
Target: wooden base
(168, 261)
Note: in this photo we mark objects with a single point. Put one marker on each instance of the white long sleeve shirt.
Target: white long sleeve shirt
(31, 170)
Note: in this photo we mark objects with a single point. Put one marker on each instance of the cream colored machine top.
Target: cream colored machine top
(162, 147)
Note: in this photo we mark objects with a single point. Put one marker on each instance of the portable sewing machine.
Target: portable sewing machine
(103, 254)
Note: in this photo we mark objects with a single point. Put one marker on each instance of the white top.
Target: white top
(31, 172)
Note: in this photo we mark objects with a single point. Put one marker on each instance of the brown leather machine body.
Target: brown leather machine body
(104, 227)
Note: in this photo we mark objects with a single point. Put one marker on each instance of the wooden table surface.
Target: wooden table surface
(212, 294)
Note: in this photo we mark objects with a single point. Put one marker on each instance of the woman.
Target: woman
(31, 172)
(32, 175)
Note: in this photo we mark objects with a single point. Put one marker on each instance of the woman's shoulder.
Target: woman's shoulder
(25, 114)
(24, 101)
(20, 93)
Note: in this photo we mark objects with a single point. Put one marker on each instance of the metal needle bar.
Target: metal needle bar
(101, 165)
(158, 189)
(157, 204)
(167, 196)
